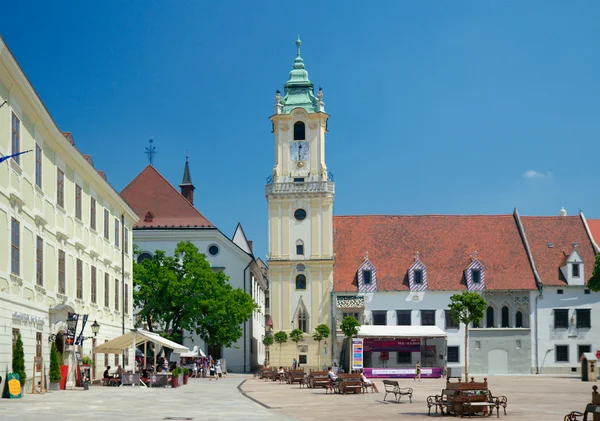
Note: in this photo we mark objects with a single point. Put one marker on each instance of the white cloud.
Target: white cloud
(536, 174)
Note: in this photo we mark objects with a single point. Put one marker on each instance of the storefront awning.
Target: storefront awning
(135, 338)
(368, 331)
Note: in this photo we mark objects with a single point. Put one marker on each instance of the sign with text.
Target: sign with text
(393, 345)
(14, 385)
(357, 353)
(71, 328)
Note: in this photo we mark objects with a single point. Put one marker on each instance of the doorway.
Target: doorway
(498, 361)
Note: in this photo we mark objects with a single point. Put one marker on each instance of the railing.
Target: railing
(306, 187)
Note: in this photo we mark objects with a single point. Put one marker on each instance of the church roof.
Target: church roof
(159, 204)
(552, 239)
(446, 245)
(298, 92)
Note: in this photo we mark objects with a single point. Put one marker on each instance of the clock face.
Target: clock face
(299, 151)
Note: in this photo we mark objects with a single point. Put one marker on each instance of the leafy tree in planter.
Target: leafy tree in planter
(18, 361)
(267, 342)
(296, 336)
(594, 282)
(55, 376)
(467, 307)
(349, 326)
(280, 338)
(321, 333)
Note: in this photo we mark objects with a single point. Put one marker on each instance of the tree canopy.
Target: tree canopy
(181, 293)
(467, 307)
(594, 282)
(349, 326)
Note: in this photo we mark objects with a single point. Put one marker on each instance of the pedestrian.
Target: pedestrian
(418, 371)
(212, 371)
(219, 370)
(294, 364)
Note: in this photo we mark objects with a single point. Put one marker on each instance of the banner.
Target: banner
(71, 328)
(357, 354)
(392, 345)
(79, 341)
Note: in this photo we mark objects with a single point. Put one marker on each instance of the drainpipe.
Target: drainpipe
(123, 286)
(539, 285)
(333, 331)
(246, 322)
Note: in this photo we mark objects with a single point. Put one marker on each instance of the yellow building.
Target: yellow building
(300, 196)
(66, 242)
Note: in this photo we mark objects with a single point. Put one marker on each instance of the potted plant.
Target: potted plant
(87, 364)
(186, 373)
(175, 377)
(18, 361)
(55, 376)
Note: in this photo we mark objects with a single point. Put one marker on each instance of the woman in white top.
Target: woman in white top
(368, 382)
(219, 372)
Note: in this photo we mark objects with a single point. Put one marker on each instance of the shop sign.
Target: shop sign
(14, 385)
(27, 318)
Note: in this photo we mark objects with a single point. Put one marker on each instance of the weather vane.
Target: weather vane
(150, 151)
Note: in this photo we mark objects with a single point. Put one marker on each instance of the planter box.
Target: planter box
(174, 382)
(64, 372)
(185, 379)
(54, 386)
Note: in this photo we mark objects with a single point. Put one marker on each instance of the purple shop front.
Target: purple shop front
(386, 373)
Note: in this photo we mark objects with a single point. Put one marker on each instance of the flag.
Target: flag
(79, 341)
(72, 320)
(4, 158)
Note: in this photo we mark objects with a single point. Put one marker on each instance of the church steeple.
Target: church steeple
(187, 188)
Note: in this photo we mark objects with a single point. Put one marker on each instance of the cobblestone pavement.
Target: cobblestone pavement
(529, 398)
(199, 400)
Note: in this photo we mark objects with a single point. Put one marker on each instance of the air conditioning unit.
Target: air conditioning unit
(454, 372)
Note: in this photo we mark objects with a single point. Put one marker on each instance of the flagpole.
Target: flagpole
(4, 158)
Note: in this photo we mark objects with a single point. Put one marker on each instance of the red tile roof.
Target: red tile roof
(151, 192)
(445, 244)
(561, 232)
(594, 225)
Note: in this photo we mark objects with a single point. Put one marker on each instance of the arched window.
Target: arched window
(505, 317)
(143, 256)
(300, 282)
(519, 319)
(302, 320)
(299, 131)
(300, 247)
(489, 316)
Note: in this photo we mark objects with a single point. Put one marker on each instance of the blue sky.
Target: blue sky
(438, 107)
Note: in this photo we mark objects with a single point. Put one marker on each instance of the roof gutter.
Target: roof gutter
(538, 282)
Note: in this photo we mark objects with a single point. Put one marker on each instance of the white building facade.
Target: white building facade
(67, 239)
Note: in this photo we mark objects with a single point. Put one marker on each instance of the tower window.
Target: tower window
(300, 282)
(489, 317)
(575, 270)
(302, 320)
(299, 247)
(213, 250)
(367, 277)
(505, 317)
(299, 131)
(300, 214)
(519, 319)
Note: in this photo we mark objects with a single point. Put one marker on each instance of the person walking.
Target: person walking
(418, 371)
(212, 371)
(294, 364)
(219, 370)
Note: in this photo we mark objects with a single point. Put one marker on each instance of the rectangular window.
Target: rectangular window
(562, 353)
(93, 213)
(298, 179)
(61, 272)
(404, 357)
(559, 291)
(367, 276)
(126, 298)
(519, 344)
(303, 359)
(93, 289)
(300, 249)
(349, 314)
(561, 319)
(575, 270)
(126, 240)
(581, 349)
(450, 323)
(403, 317)
(116, 232)
(418, 277)
(39, 261)
(38, 344)
(15, 249)
(476, 275)
(380, 318)
(427, 317)
(453, 356)
(15, 337)
(117, 294)
(60, 188)
(77, 202)
(79, 279)
(16, 137)
(477, 344)
(106, 223)
(106, 290)
(584, 319)
(38, 165)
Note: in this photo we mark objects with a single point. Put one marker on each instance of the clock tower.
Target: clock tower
(300, 195)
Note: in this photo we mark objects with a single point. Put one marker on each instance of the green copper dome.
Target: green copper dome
(298, 92)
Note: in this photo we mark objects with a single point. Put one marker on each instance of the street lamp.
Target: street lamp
(95, 328)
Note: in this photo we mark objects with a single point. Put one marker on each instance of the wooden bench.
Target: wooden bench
(445, 400)
(295, 376)
(591, 408)
(350, 383)
(318, 379)
(393, 387)
(478, 401)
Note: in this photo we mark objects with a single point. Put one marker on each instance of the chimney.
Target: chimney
(186, 186)
(250, 245)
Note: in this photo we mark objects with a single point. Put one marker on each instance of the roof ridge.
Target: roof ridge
(426, 216)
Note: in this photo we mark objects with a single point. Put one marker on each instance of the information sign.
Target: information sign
(357, 353)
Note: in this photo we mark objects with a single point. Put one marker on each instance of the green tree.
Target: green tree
(182, 293)
(18, 360)
(55, 376)
(594, 281)
(321, 333)
(267, 342)
(296, 336)
(280, 338)
(349, 326)
(467, 308)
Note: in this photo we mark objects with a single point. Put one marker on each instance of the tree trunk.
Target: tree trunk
(319, 356)
(466, 352)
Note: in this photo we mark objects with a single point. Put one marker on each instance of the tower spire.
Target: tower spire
(186, 186)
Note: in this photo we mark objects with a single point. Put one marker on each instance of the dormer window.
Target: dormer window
(575, 270)
(299, 131)
(418, 277)
(367, 277)
(476, 276)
